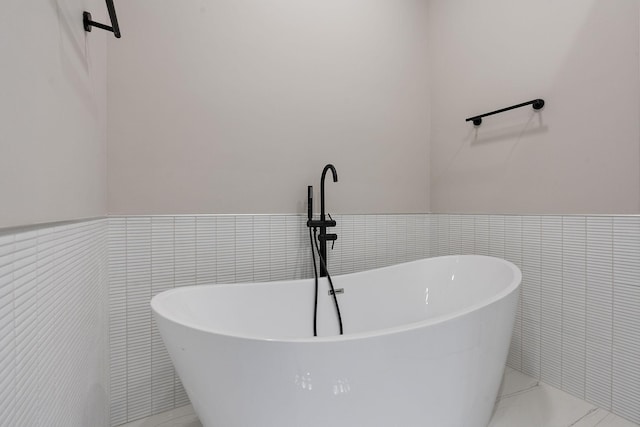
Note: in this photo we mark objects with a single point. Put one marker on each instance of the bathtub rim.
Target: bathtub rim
(512, 287)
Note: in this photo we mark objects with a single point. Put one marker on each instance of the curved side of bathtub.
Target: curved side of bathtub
(444, 374)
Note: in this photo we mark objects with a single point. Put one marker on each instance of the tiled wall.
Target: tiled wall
(578, 323)
(577, 327)
(53, 326)
(151, 254)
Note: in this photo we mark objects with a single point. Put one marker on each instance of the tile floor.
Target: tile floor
(522, 402)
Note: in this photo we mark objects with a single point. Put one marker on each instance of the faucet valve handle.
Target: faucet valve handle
(333, 241)
(319, 223)
(327, 236)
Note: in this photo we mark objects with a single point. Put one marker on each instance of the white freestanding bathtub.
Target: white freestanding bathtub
(425, 345)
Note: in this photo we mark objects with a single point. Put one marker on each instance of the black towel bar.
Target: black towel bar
(115, 28)
(536, 103)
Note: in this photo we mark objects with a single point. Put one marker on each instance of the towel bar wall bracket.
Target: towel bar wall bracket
(115, 28)
(537, 104)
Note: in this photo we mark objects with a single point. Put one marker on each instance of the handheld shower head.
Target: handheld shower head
(309, 202)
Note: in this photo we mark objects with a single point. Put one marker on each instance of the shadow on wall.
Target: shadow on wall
(498, 132)
(513, 133)
(74, 50)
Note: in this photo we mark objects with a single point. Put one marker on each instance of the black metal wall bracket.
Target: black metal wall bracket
(115, 28)
(537, 104)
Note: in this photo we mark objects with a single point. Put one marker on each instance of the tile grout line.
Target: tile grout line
(613, 298)
(151, 313)
(586, 303)
(520, 296)
(173, 229)
(591, 411)
(539, 349)
(561, 302)
(612, 330)
(126, 313)
(12, 412)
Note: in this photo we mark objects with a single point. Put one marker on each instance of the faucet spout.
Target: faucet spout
(323, 220)
(335, 179)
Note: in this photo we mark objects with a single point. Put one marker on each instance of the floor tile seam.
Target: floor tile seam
(520, 392)
(591, 411)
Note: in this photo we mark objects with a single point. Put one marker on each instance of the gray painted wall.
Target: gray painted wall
(52, 112)
(581, 154)
(227, 106)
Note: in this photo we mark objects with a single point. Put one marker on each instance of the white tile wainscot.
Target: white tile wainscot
(578, 321)
(53, 325)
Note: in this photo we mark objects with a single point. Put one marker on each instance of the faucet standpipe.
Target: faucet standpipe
(319, 243)
(323, 223)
